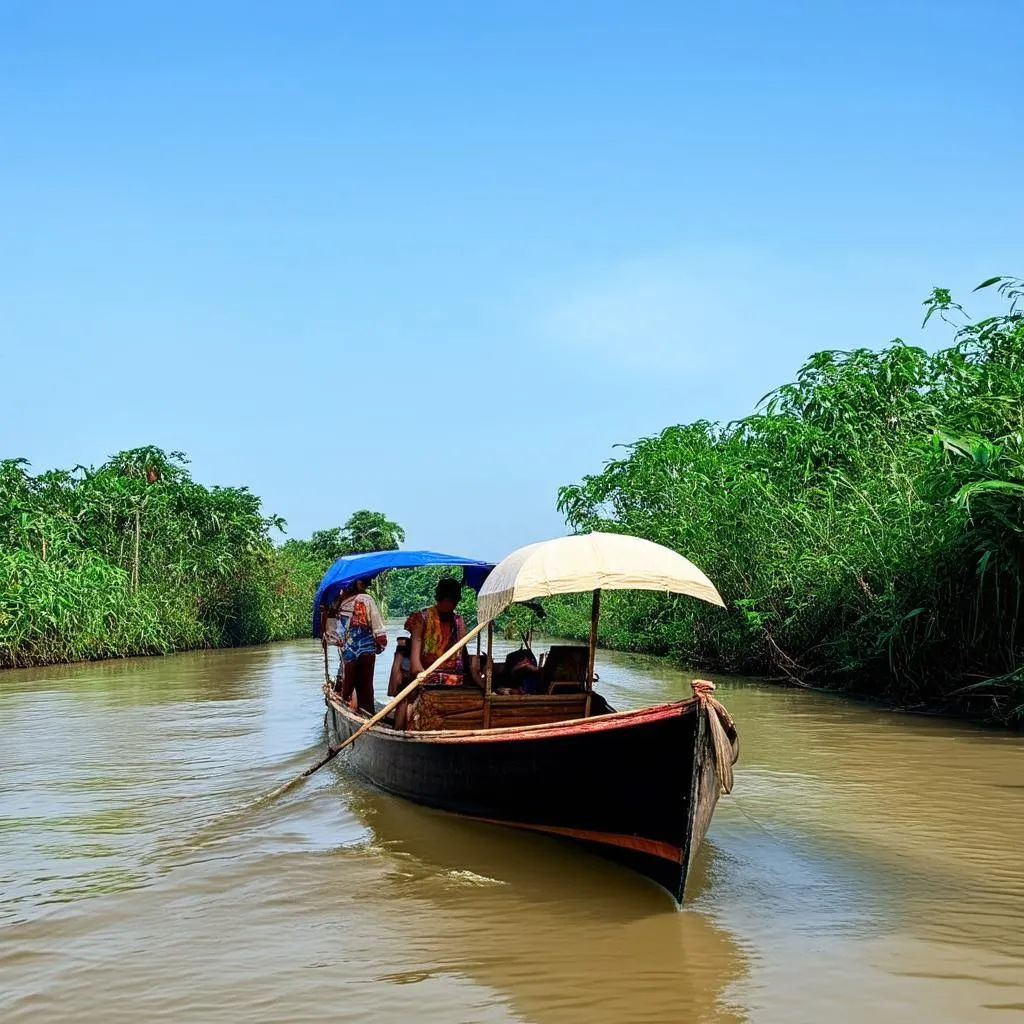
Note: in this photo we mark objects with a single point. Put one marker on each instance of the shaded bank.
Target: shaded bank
(865, 524)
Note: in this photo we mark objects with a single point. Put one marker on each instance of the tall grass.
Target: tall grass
(864, 524)
(135, 557)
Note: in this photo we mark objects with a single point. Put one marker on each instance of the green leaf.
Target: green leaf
(988, 284)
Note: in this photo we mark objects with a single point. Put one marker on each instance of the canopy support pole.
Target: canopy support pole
(595, 616)
(488, 674)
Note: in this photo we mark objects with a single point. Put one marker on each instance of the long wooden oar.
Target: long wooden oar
(333, 752)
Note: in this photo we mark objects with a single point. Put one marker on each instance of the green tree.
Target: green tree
(327, 546)
(135, 557)
(370, 531)
(865, 523)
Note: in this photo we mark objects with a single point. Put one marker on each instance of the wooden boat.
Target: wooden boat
(636, 786)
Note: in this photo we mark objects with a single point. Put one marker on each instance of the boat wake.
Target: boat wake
(456, 878)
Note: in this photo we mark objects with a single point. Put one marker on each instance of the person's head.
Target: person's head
(356, 587)
(447, 594)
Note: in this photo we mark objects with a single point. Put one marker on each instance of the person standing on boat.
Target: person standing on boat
(361, 637)
(433, 631)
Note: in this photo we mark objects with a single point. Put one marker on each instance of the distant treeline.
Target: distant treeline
(135, 557)
(864, 525)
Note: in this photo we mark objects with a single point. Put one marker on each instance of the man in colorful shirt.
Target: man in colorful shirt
(433, 631)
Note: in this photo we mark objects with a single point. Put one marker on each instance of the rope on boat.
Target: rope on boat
(724, 738)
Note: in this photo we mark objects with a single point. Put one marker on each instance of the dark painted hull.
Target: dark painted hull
(636, 786)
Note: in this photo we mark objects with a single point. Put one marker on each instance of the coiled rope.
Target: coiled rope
(724, 738)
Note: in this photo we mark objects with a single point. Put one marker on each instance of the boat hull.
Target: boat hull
(638, 786)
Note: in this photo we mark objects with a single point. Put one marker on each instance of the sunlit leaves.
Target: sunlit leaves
(133, 557)
(865, 523)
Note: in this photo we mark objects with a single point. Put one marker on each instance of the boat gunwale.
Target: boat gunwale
(545, 730)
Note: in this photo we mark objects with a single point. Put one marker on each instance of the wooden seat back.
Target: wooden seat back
(565, 669)
(536, 709)
(462, 707)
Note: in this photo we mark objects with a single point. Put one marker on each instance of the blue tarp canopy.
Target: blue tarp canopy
(350, 568)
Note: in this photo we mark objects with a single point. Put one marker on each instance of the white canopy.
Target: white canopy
(590, 561)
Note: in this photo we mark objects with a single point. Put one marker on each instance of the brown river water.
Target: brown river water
(868, 867)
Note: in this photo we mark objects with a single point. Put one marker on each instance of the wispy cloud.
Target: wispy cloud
(671, 308)
(678, 310)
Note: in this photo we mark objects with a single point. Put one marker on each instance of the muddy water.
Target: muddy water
(869, 867)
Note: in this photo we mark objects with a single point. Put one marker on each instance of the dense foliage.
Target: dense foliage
(864, 525)
(363, 531)
(409, 590)
(135, 557)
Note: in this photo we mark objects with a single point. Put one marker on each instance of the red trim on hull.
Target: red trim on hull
(577, 726)
(650, 846)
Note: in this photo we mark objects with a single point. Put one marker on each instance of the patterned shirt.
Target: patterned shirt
(359, 621)
(436, 636)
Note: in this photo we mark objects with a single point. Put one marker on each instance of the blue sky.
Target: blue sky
(436, 259)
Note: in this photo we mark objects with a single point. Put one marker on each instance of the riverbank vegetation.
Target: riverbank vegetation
(865, 524)
(136, 557)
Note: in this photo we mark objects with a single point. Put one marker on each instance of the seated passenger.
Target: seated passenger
(522, 674)
(400, 677)
(433, 631)
(401, 667)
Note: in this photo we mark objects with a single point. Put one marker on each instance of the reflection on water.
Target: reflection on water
(866, 867)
